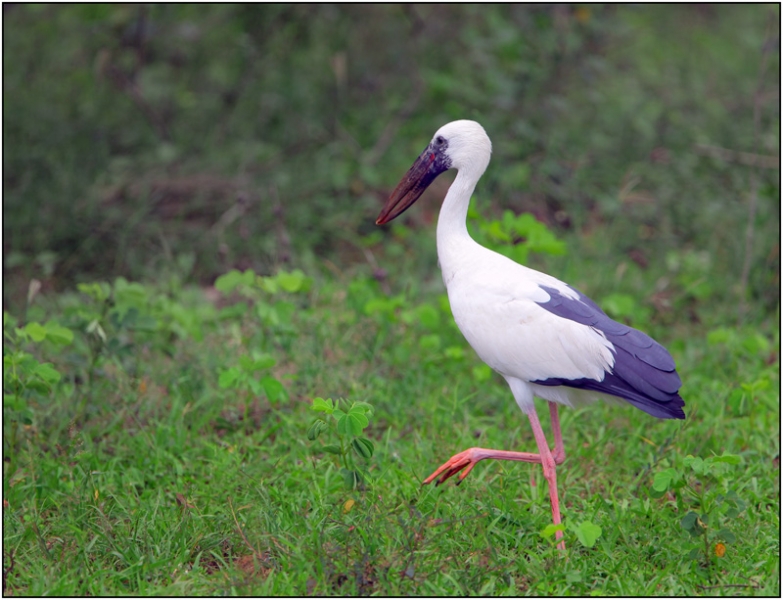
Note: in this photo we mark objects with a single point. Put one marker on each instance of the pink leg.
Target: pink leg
(467, 459)
(559, 452)
(548, 464)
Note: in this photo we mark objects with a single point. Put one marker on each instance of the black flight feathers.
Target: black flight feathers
(644, 373)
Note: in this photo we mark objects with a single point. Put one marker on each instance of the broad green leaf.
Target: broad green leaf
(47, 373)
(262, 361)
(321, 405)
(696, 463)
(345, 425)
(331, 449)
(727, 536)
(362, 407)
(357, 414)
(273, 389)
(293, 282)
(664, 478)
(36, 331)
(588, 533)
(58, 334)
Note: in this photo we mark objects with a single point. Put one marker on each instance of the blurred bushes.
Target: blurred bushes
(254, 135)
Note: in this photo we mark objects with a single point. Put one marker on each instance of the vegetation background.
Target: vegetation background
(155, 423)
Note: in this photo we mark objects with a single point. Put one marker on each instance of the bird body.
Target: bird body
(544, 337)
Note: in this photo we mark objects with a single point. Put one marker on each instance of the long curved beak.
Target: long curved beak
(411, 187)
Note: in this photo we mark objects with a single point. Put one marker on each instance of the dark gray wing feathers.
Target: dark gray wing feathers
(644, 373)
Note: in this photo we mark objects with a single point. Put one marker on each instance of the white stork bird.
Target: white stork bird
(544, 337)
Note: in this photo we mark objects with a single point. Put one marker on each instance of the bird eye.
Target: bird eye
(440, 141)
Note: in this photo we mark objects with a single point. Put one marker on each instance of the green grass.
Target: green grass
(140, 474)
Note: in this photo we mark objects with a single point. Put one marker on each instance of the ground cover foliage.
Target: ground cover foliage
(193, 282)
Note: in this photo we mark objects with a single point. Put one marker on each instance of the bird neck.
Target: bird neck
(452, 233)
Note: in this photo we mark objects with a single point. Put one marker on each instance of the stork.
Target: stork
(546, 339)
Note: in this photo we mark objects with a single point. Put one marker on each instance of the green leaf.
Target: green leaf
(227, 282)
(695, 463)
(588, 533)
(36, 331)
(727, 536)
(550, 530)
(47, 373)
(351, 479)
(346, 426)
(58, 334)
(352, 423)
(273, 389)
(664, 478)
(316, 429)
(321, 405)
(262, 361)
(293, 282)
(254, 385)
(331, 449)
(731, 459)
(363, 407)
(690, 523)
(363, 447)
(228, 377)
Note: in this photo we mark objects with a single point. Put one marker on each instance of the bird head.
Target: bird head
(461, 145)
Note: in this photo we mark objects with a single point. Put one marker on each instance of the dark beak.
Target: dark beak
(427, 167)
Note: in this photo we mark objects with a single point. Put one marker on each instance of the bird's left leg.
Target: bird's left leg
(548, 463)
(559, 452)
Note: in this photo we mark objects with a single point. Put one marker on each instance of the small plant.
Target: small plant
(586, 532)
(277, 302)
(703, 487)
(24, 377)
(348, 427)
(244, 377)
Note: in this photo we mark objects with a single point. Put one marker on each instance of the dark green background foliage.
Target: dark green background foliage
(135, 134)
(190, 264)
